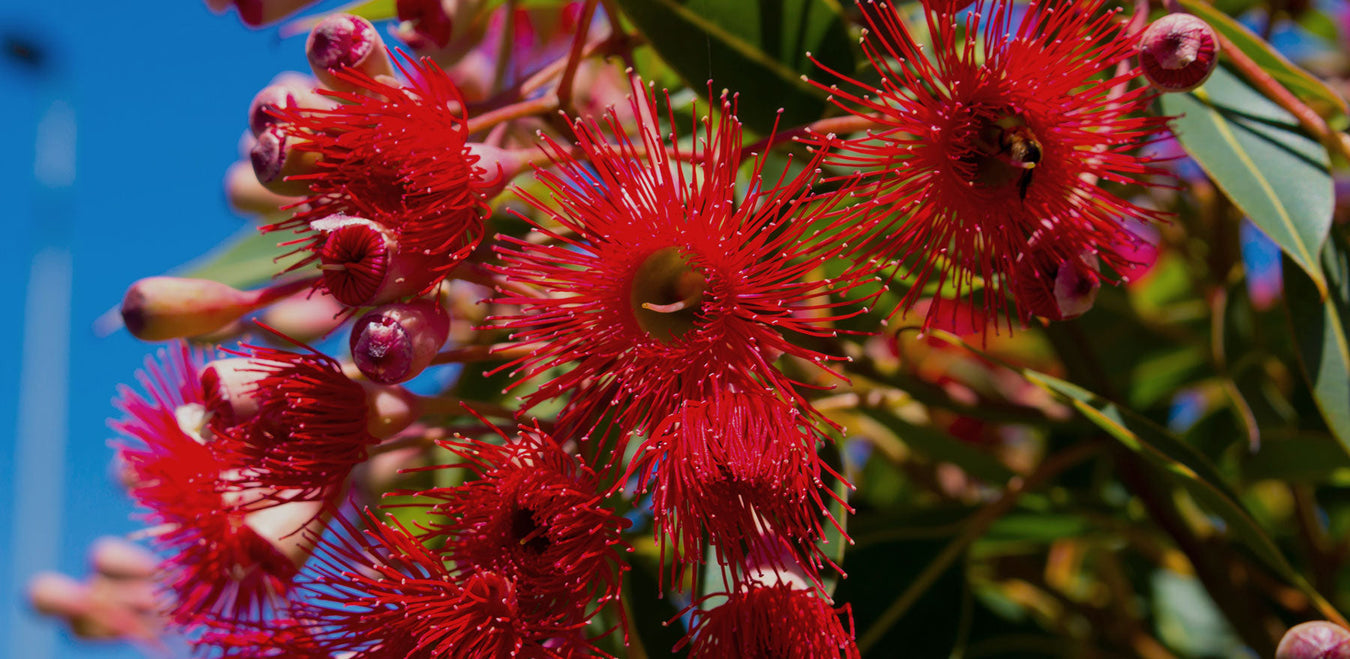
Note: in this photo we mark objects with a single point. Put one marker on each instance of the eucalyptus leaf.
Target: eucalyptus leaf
(1254, 151)
(244, 260)
(1320, 332)
(755, 49)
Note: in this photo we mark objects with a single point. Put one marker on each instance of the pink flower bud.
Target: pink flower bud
(392, 409)
(56, 594)
(247, 196)
(1315, 640)
(396, 342)
(163, 308)
(362, 264)
(343, 41)
(276, 160)
(116, 558)
(256, 13)
(1178, 52)
(1054, 289)
(304, 317)
(292, 91)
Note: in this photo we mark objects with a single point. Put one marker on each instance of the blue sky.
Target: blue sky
(158, 93)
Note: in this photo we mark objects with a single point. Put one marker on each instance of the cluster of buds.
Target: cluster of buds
(672, 315)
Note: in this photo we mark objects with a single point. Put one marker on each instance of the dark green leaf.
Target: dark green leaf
(756, 48)
(1299, 459)
(1256, 154)
(1309, 89)
(1320, 331)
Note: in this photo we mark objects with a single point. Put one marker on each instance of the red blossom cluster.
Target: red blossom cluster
(667, 315)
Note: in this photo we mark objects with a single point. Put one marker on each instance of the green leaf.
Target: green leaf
(756, 49)
(246, 259)
(1192, 471)
(1256, 154)
(1320, 332)
(1300, 459)
(1322, 98)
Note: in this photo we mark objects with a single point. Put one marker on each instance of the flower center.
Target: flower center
(1006, 151)
(666, 295)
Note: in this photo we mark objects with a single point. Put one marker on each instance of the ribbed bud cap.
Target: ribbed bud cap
(346, 42)
(163, 308)
(1315, 640)
(362, 264)
(1178, 52)
(397, 341)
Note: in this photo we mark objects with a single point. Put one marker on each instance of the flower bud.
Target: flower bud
(344, 41)
(1058, 292)
(247, 196)
(257, 13)
(163, 308)
(275, 160)
(56, 594)
(116, 558)
(362, 264)
(1315, 640)
(392, 409)
(1178, 52)
(304, 317)
(293, 91)
(396, 342)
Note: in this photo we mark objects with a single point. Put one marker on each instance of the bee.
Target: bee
(1021, 149)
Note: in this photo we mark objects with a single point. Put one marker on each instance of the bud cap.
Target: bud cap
(1178, 52)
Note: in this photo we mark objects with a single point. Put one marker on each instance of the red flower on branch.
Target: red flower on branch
(531, 513)
(777, 620)
(736, 471)
(654, 285)
(290, 422)
(223, 560)
(381, 593)
(396, 155)
(1003, 131)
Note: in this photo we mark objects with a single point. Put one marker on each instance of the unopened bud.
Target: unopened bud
(276, 160)
(1315, 640)
(362, 264)
(249, 197)
(292, 92)
(1178, 52)
(392, 409)
(501, 166)
(56, 594)
(256, 13)
(119, 559)
(346, 42)
(304, 318)
(1058, 291)
(162, 308)
(430, 24)
(396, 342)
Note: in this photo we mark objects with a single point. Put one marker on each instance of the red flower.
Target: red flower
(217, 563)
(381, 593)
(738, 470)
(657, 286)
(396, 155)
(532, 513)
(980, 145)
(771, 621)
(289, 421)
